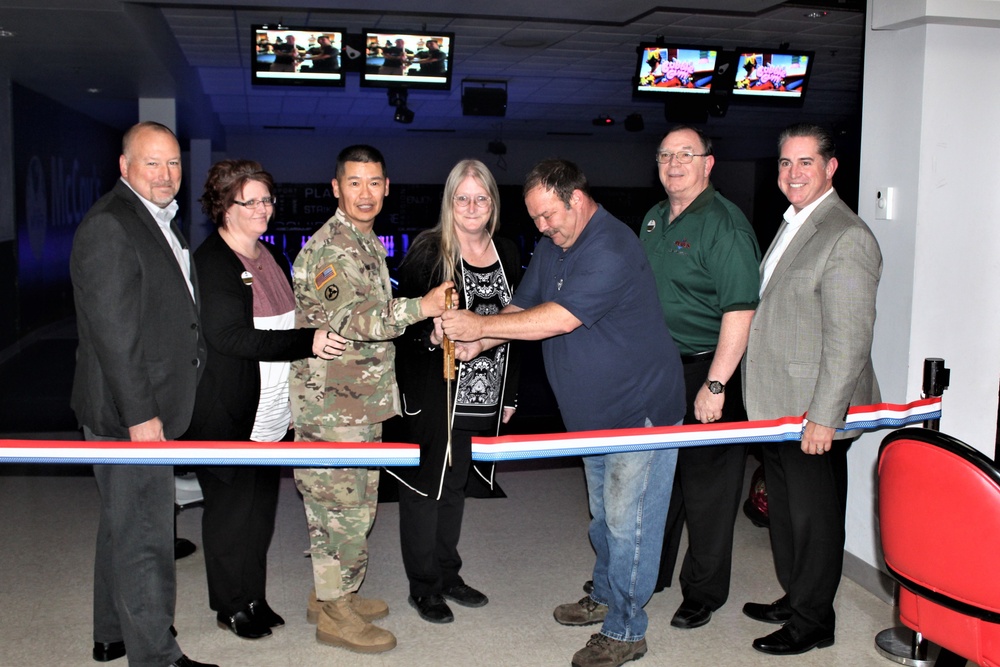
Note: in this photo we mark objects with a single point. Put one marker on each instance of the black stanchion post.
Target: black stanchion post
(900, 644)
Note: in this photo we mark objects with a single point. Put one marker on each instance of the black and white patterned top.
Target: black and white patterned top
(480, 381)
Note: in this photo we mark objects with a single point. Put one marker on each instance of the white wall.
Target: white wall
(930, 130)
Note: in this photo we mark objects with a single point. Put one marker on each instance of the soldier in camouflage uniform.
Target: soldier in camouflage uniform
(342, 283)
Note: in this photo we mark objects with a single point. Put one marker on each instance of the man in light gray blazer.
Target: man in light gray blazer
(810, 353)
(138, 363)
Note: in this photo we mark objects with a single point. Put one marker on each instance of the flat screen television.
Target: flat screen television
(666, 69)
(771, 76)
(297, 56)
(408, 59)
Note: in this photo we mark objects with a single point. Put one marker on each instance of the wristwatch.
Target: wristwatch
(715, 386)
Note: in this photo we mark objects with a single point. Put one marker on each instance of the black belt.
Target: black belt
(695, 358)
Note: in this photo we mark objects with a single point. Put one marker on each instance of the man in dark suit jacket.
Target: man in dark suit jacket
(138, 364)
(810, 353)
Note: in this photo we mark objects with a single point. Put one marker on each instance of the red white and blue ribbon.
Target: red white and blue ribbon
(185, 452)
(588, 443)
(505, 448)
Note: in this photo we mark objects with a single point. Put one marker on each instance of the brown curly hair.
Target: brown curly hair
(224, 184)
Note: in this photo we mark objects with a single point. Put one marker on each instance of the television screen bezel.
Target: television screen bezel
(374, 80)
(661, 93)
(266, 78)
(771, 98)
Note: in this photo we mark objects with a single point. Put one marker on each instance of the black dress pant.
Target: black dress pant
(134, 575)
(708, 486)
(430, 527)
(237, 526)
(806, 505)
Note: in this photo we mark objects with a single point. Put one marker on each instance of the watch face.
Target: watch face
(715, 386)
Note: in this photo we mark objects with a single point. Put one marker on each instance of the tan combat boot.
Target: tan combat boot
(340, 625)
(370, 609)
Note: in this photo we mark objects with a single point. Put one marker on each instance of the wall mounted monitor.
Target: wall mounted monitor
(664, 69)
(297, 56)
(408, 59)
(772, 76)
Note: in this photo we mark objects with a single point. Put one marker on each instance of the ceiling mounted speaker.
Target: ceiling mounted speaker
(484, 102)
(634, 123)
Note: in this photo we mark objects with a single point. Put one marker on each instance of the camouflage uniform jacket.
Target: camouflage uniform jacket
(341, 283)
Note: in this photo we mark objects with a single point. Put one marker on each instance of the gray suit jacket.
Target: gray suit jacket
(141, 351)
(811, 337)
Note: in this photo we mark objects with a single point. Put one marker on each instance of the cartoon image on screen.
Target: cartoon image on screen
(771, 74)
(666, 69)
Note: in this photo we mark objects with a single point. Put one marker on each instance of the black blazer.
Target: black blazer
(229, 392)
(141, 352)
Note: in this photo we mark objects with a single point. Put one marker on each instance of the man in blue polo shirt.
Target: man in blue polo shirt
(590, 296)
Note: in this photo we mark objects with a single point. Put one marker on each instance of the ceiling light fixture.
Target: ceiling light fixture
(816, 15)
(397, 98)
(6, 33)
(403, 115)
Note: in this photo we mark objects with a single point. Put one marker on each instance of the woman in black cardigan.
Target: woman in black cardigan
(461, 248)
(247, 312)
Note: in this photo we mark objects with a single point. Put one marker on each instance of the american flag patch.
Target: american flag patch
(325, 276)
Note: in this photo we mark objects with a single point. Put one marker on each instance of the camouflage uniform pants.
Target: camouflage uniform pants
(340, 506)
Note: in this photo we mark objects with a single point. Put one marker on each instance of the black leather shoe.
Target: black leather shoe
(183, 548)
(588, 586)
(432, 608)
(263, 614)
(777, 612)
(243, 625)
(788, 641)
(467, 596)
(185, 661)
(108, 651)
(691, 615)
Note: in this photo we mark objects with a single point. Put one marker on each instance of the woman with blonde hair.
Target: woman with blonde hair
(463, 248)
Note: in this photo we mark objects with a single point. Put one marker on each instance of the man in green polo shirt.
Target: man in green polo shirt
(705, 258)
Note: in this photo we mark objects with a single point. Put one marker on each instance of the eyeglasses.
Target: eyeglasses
(251, 204)
(684, 157)
(462, 201)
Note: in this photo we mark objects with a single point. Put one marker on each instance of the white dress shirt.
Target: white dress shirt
(789, 227)
(164, 216)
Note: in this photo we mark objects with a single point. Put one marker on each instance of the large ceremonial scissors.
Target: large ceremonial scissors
(449, 369)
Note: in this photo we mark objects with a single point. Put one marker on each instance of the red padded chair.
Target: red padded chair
(939, 519)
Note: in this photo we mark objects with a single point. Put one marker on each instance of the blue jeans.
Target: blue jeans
(629, 495)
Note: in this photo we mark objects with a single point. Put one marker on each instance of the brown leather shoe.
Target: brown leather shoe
(584, 612)
(603, 651)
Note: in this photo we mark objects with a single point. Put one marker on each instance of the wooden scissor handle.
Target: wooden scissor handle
(447, 345)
